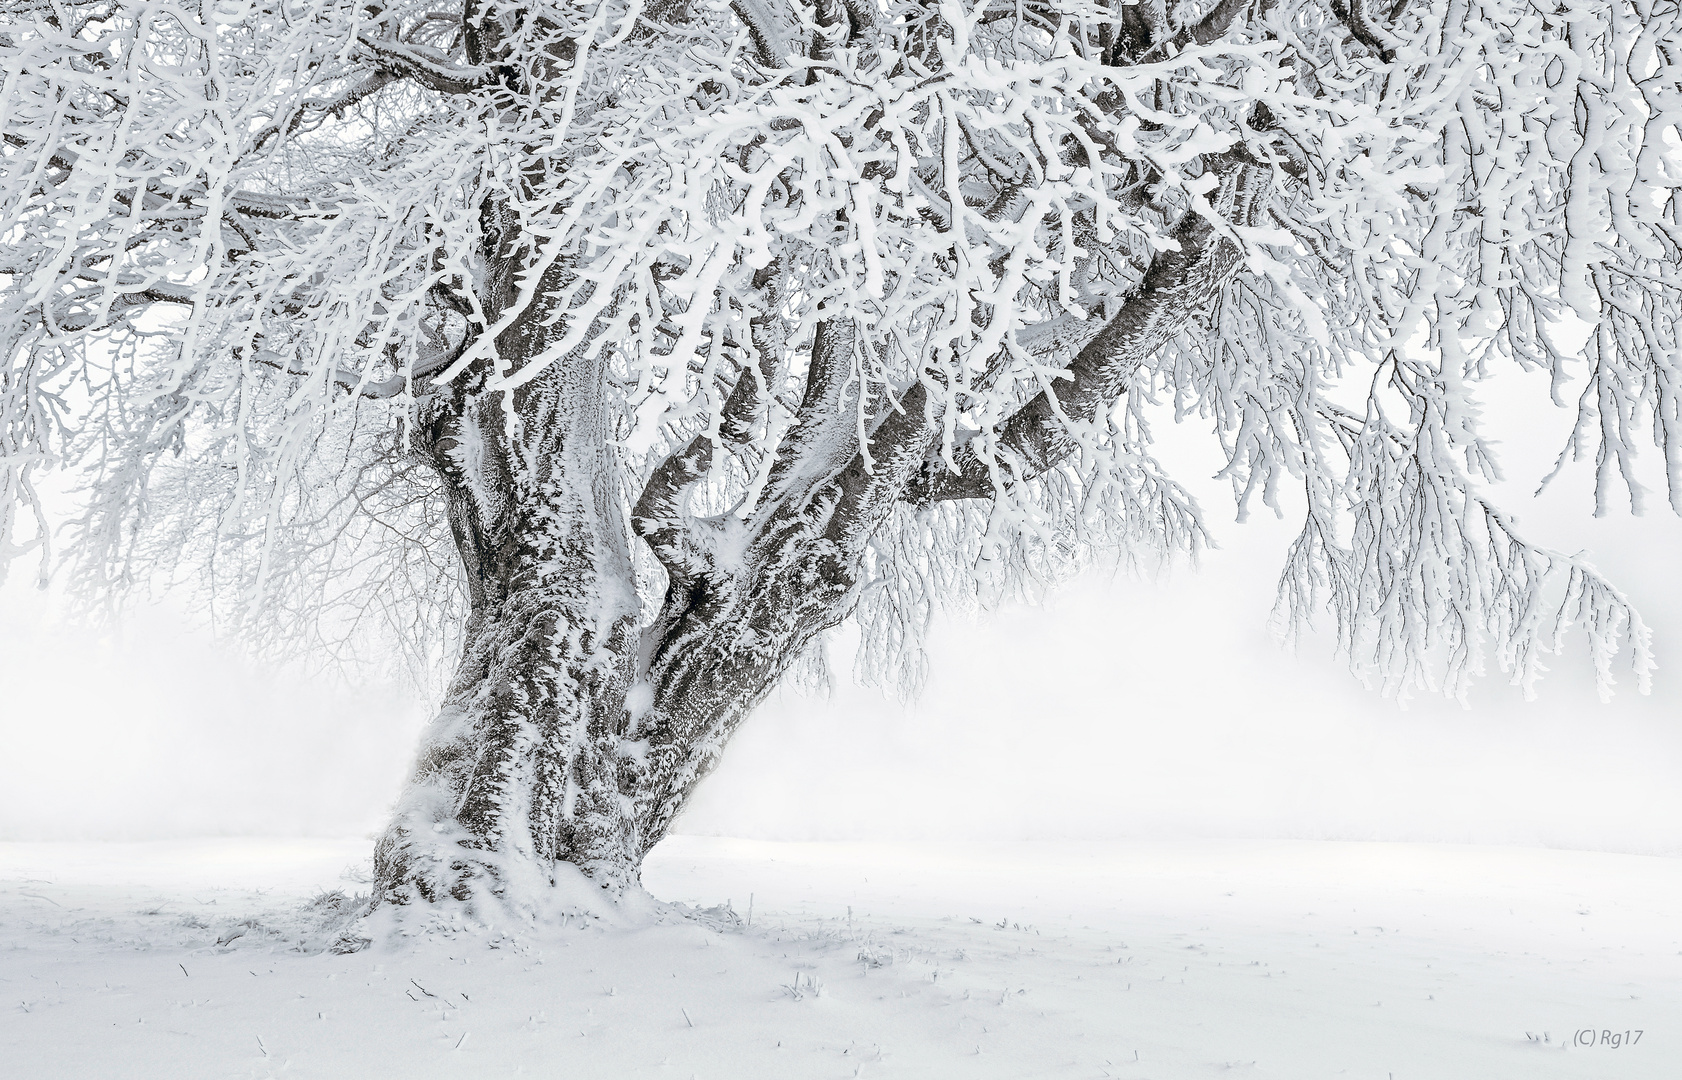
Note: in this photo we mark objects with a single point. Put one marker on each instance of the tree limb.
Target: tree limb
(428, 67)
(1353, 14)
(1179, 284)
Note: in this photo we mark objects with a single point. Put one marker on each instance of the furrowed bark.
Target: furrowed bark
(728, 639)
(521, 769)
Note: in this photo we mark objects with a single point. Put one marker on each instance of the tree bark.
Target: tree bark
(523, 768)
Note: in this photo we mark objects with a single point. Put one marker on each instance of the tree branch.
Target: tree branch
(426, 66)
(353, 381)
(328, 106)
(1179, 284)
(1362, 28)
(1219, 20)
(769, 37)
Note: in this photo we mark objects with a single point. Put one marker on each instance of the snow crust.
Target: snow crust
(1137, 959)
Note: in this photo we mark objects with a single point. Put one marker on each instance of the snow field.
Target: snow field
(1151, 960)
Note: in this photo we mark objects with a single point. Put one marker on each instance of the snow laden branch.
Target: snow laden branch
(621, 350)
(1433, 577)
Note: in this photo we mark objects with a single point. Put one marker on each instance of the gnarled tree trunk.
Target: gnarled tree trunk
(571, 735)
(521, 768)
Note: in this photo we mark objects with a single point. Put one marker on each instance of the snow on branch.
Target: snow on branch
(909, 280)
(1432, 578)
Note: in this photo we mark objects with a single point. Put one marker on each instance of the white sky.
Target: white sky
(1124, 708)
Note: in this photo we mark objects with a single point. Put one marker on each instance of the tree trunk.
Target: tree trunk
(522, 769)
(569, 735)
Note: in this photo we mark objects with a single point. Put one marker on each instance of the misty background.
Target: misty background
(1123, 708)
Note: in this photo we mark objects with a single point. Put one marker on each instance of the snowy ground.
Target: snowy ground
(1288, 959)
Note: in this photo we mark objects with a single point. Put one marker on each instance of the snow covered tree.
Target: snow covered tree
(617, 350)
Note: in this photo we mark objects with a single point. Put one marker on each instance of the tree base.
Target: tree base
(574, 901)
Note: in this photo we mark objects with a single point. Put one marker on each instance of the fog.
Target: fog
(1167, 710)
(1125, 707)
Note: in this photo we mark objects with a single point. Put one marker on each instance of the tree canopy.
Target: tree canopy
(934, 265)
